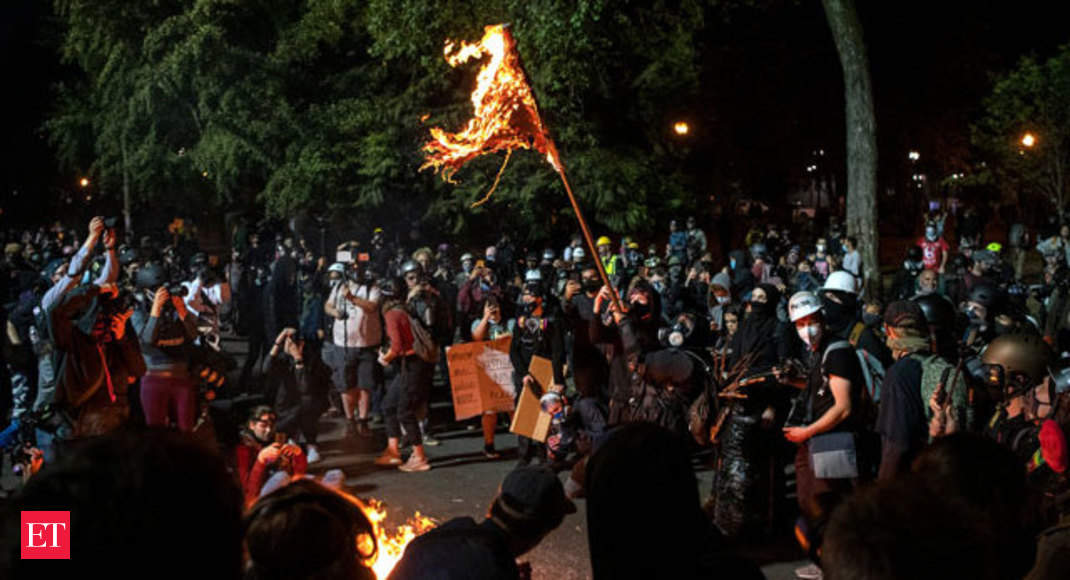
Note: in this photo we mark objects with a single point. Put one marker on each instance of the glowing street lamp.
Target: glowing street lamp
(84, 182)
(681, 128)
(1029, 140)
(914, 155)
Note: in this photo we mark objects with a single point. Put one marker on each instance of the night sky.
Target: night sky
(771, 94)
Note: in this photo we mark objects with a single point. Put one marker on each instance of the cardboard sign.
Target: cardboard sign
(529, 419)
(481, 377)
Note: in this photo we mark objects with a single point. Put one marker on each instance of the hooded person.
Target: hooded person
(759, 332)
(643, 317)
(742, 278)
(720, 298)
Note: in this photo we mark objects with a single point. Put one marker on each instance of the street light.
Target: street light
(681, 128)
(84, 182)
(1029, 140)
(914, 155)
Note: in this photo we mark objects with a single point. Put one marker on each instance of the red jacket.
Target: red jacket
(253, 473)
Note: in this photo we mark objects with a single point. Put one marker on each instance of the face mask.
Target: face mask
(732, 263)
(639, 309)
(723, 299)
(658, 285)
(592, 285)
(760, 308)
(870, 319)
(930, 234)
(810, 334)
(821, 248)
(845, 250)
(975, 317)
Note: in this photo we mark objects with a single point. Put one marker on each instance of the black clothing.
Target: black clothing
(759, 333)
(300, 393)
(901, 419)
(590, 370)
(458, 549)
(842, 362)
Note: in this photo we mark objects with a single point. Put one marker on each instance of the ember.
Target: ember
(391, 543)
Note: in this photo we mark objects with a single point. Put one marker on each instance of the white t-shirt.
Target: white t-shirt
(359, 328)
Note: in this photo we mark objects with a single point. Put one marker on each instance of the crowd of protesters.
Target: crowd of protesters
(935, 403)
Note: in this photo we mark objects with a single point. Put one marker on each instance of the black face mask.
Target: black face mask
(592, 285)
(837, 315)
(761, 308)
(639, 309)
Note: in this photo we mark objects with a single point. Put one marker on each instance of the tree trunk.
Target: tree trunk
(127, 220)
(861, 137)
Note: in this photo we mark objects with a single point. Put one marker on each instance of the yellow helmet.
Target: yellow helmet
(603, 241)
(633, 246)
(994, 247)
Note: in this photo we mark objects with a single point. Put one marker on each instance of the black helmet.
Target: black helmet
(938, 311)
(986, 295)
(151, 276)
(1026, 354)
(411, 266)
(914, 254)
(391, 288)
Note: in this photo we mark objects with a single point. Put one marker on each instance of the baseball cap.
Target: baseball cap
(905, 314)
(534, 493)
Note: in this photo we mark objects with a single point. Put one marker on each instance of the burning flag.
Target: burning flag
(505, 116)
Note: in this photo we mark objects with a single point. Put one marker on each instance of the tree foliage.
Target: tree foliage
(1033, 98)
(317, 104)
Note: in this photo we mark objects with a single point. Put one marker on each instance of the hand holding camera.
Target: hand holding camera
(160, 300)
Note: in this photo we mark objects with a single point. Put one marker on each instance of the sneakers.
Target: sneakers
(490, 453)
(388, 459)
(414, 465)
(431, 441)
(313, 455)
(809, 572)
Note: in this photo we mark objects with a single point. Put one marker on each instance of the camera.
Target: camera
(112, 222)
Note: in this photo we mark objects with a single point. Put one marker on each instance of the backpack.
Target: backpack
(423, 344)
(937, 371)
(872, 369)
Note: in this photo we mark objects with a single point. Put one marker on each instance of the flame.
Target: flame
(504, 117)
(391, 544)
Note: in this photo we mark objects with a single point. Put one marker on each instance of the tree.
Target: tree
(317, 106)
(861, 135)
(1033, 98)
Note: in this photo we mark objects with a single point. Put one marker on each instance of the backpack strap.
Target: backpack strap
(835, 345)
(856, 333)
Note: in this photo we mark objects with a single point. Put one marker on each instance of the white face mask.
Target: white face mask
(810, 334)
(820, 248)
(723, 299)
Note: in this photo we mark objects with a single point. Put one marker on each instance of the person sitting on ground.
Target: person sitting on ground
(530, 504)
(260, 453)
(305, 531)
(147, 504)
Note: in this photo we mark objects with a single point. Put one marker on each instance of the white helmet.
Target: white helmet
(841, 280)
(803, 304)
(337, 267)
(533, 275)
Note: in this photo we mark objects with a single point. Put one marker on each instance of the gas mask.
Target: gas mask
(676, 335)
(810, 334)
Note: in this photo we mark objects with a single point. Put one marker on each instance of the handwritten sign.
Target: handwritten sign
(481, 377)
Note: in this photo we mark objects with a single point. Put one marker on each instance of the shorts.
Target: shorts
(353, 367)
